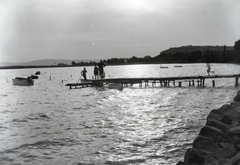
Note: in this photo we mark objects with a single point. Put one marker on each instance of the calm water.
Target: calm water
(50, 124)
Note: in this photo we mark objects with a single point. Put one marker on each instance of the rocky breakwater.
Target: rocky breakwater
(218, 142)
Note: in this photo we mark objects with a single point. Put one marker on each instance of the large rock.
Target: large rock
(195, 156)
(205, 143)
(235, 104)
(218, 115)
(217, 124)
(235, 130)
(216, 134)
(238, 109)
(229, 111)
(215, 160)
(236, 158)
(237, 97)
(227, 150)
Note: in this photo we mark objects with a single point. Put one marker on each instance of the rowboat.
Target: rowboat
(23, 81)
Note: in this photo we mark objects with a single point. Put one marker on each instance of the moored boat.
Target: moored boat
(177, 66)
(34, 77)
(23, 81)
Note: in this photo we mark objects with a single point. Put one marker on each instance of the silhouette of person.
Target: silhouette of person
(209, 69)
(101, 65)
(95, 71)
(84, 73)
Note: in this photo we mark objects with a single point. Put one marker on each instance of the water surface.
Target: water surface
(50, 124)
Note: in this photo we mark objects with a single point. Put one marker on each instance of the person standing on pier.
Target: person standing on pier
(209, 69)
(101, 65)
(95, 71)
(84, 73)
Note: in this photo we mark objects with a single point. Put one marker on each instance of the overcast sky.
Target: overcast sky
(103, 29)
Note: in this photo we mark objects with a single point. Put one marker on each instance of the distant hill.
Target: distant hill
(190, 48)
(193, 54)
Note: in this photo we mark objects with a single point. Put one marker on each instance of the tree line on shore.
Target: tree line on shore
(184, 54)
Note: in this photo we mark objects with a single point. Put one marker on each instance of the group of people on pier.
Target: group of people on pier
(98, 71)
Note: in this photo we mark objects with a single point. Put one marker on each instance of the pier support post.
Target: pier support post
(236, 81)
(213, 83)
(153, 84)
(179, 83)
(189, 83)
(165, 83)
(203, 82)
(198, 83)
(193, 82)
(146, 83)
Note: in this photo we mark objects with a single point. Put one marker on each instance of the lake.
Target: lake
(50, 124)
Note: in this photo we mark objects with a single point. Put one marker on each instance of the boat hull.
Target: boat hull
(118, 86)
(22, 81)
(34, 77)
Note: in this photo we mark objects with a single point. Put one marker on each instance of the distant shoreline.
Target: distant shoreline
(64, 66)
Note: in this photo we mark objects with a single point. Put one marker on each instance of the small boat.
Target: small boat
(163, 66)
(177, 66)
(23, 81)
(118, 86)
(34, 77)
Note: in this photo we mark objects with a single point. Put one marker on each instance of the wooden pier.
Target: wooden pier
(199, 81)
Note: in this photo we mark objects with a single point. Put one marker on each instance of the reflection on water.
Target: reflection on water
(50, 124)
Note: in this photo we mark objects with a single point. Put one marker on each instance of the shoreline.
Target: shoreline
(62, 66)
(218, 141)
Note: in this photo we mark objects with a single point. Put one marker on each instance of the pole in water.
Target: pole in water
(50, 78)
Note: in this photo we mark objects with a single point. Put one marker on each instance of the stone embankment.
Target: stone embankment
(218, 142)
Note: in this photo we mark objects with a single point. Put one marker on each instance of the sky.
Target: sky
(103, 29)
